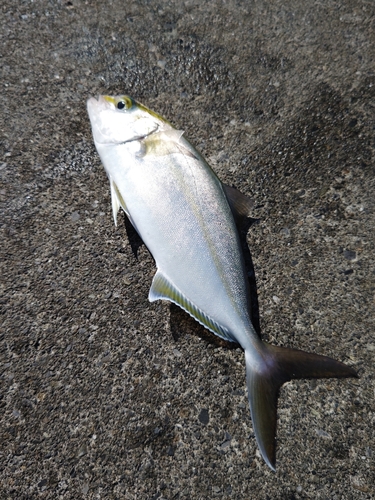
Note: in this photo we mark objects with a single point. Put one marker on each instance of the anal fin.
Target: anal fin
(163, 289)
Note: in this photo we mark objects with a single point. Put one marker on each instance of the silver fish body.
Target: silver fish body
(180, 209)
(186, 218)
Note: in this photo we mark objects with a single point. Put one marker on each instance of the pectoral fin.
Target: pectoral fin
(163, 289)
(165, 143)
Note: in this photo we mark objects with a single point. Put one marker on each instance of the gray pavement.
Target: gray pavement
(104, 395)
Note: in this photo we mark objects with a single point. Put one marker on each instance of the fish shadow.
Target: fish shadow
(135, 240)
(180, 321)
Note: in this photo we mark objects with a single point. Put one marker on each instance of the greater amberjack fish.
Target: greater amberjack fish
(187, 219)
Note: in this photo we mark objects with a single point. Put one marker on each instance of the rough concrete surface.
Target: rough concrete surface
(104, 395)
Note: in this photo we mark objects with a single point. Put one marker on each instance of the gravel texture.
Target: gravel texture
(104, 395)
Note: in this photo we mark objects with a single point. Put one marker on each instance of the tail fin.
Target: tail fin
(280, 365)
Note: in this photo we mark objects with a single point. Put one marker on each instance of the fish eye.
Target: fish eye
(124, 102)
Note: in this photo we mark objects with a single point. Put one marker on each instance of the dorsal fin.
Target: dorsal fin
(240, 204)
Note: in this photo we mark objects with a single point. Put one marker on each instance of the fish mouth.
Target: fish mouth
(96, 102)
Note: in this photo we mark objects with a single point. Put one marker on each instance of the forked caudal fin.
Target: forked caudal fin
(281, 364)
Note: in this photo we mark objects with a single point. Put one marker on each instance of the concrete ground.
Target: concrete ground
(104, 395)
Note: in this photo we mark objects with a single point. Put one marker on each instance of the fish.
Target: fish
(188, 219)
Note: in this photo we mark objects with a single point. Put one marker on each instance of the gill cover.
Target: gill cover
(119, 119)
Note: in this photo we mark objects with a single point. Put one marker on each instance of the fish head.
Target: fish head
(120, 119)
